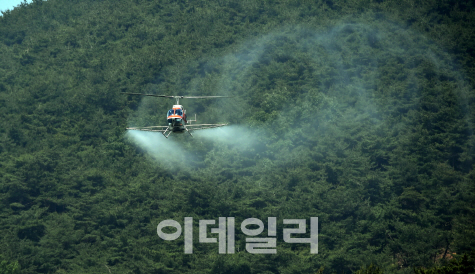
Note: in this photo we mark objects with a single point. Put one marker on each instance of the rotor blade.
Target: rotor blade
(201, 97)
(148, 94)
(178, 96)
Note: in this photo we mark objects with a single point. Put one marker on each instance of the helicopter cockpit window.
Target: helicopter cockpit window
(170, 112)
(178, 112)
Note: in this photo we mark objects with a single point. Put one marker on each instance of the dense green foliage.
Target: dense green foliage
(465, 264)
(9, 268)
(356, 112)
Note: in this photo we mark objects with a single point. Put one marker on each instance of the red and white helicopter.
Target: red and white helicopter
(176, 117)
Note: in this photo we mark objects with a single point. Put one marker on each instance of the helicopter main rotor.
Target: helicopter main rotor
(176, 97)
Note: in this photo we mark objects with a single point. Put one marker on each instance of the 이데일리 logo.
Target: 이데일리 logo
(226, 234)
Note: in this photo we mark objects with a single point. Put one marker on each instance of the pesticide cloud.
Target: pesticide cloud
(167, 151)
(298, 87)
(354, 77)
(234, 136)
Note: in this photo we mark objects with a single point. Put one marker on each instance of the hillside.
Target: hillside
(360, 113)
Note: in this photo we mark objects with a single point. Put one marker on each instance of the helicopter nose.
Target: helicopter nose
(174, 121)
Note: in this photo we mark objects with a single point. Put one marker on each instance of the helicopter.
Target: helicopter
(176, 117)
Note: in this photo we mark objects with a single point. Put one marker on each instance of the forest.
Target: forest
(357, 112)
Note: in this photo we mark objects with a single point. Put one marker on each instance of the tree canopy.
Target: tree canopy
(360, 113)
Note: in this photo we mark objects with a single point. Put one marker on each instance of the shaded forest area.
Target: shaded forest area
(359, 113)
